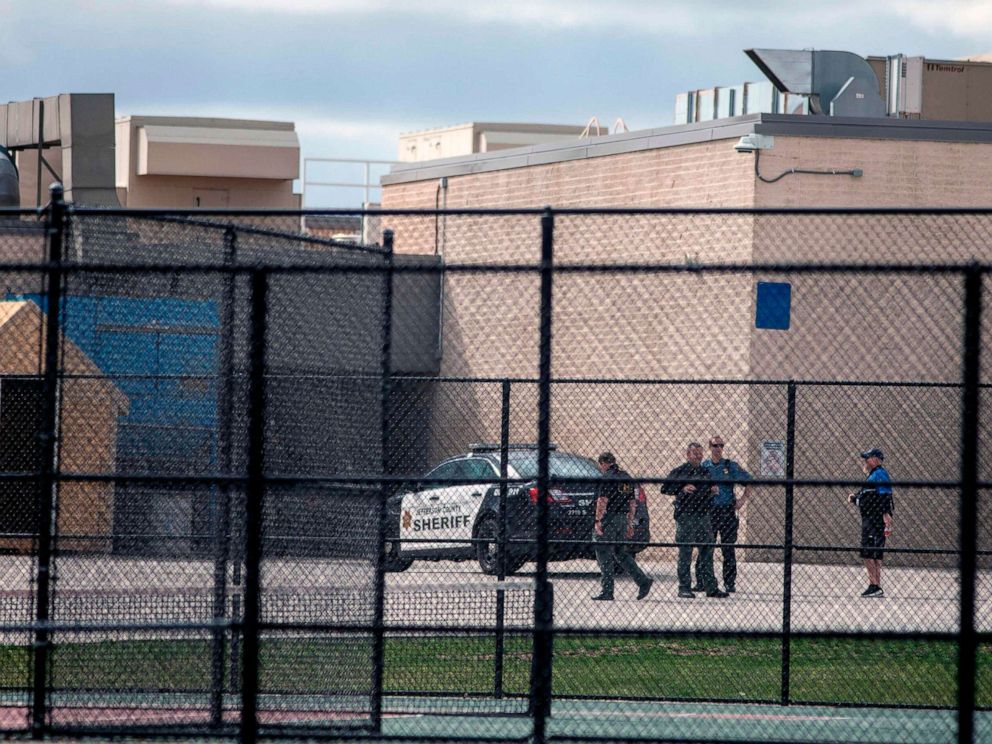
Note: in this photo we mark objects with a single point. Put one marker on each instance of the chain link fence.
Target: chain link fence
(300, 487)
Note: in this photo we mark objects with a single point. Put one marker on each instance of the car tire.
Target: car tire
(485, 552)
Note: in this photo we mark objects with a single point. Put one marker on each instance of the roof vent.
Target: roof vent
(837, 83)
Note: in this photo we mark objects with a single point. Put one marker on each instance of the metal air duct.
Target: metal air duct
(837, 83)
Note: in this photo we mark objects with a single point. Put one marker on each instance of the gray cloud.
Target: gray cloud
(353, 72)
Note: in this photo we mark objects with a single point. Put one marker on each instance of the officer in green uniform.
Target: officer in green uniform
(616, 507)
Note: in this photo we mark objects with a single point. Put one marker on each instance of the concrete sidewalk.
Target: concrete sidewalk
(109, 589)
(823, 598)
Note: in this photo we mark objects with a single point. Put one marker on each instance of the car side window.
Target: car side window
(445, 471)
(478, 468)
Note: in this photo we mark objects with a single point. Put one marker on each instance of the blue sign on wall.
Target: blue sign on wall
(773, 308)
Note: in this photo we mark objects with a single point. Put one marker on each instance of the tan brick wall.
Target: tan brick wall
(605, 325)
(89, 427)
(702, 175)
(88, 431)
(870, 327)
(686, 326)
(897, 173)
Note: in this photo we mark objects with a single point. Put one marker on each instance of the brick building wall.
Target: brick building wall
(686, 326)
(89, 409)
(896, 327)
(603, 326)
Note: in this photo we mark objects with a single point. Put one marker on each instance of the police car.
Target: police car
(460, 520)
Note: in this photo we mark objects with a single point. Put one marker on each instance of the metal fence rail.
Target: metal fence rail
(255, 483)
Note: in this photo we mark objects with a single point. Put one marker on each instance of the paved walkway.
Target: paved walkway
(823, 598)
(108, 589)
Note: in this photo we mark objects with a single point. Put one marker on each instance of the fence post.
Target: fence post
(222, 507)
(254, 503)
(790, 462)
(48, 478)
(540, 682)
(378, 631)
(504, 448)
(967, 640)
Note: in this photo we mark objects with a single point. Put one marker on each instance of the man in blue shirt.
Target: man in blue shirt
(874, 500)
(725, 506)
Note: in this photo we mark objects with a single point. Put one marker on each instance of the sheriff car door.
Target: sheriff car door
(451, 515)
(465, 500)
(449, 512)
(421, 512)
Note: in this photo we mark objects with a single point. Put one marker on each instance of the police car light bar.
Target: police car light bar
(487, 447)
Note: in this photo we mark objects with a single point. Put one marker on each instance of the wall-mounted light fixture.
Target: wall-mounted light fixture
(757, 142)
(753, 142)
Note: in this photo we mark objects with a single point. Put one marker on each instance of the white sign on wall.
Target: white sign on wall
(773, 459)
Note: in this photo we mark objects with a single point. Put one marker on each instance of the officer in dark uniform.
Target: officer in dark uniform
(690, 484)
(616, 507)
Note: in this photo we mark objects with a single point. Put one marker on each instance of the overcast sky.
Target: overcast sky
(353, 74)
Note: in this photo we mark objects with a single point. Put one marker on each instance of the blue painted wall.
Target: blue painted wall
(170, 420)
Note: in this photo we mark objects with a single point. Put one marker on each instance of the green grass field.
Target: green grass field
(859, 671)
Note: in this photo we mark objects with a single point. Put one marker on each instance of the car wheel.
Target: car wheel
(486, 552)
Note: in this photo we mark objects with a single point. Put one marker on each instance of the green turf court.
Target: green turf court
(861, 671)
(102, 683)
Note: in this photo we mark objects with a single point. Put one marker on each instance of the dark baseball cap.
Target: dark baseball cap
(876, 452)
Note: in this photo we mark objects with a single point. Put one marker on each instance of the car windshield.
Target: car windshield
(560, 465)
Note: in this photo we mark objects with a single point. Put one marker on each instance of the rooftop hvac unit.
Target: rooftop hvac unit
(685, 107)
(904, 85)
(837, 83)
(705, 104)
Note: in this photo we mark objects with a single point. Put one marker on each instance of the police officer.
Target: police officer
(690, 484)
(723, 512)
(616, 506)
